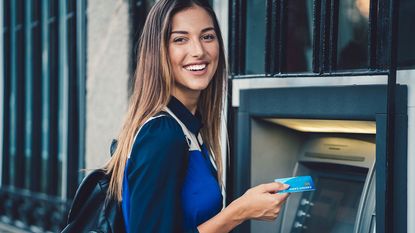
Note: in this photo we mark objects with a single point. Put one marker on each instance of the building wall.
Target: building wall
(107, 76)
(407, 77)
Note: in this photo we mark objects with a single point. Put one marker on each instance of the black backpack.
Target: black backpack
(90, 211)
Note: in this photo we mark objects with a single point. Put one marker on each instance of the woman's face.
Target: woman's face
(193, 51)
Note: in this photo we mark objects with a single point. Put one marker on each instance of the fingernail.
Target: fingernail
(286, 186)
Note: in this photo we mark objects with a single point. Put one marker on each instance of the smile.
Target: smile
(198, 67)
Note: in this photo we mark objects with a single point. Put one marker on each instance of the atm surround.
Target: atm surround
(360, 103)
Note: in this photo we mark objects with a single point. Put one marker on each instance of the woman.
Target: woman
(166, 169)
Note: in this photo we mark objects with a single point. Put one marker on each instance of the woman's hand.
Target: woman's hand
(262, 202)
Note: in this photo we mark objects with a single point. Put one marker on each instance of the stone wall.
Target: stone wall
(107, 76)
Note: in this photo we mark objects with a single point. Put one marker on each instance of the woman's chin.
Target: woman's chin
(198, 86)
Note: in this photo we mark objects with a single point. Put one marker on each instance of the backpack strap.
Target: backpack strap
(161, 114)
(190, 137)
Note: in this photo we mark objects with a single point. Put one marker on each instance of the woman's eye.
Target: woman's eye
(179, 40)
(208, 37)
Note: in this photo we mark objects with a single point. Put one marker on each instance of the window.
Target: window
(255, 37)
(308, 37)
(298, 36)
(44, 91)
(352, 39)
(406, 38)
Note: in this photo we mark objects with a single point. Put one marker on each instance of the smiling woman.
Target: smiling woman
(166, 169)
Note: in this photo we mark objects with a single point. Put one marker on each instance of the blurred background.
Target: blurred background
(67, 66)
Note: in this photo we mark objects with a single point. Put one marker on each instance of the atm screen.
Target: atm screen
(332, 208)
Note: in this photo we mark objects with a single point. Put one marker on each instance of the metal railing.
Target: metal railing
(44, 111)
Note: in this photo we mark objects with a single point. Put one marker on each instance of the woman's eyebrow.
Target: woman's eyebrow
(179, 32)
(186, 32)
(208, 29)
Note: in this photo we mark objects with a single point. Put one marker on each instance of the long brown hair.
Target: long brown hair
(153, 86)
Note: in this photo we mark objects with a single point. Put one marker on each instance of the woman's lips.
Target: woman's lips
(196, 69)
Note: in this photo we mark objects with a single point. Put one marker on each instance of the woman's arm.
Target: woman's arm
(260, 202)
(155, 175)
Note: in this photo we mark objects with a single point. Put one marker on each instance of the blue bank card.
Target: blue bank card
(297, 184)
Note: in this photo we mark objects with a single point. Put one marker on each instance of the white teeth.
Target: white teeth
(195, 67)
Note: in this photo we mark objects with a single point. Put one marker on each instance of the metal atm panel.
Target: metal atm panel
(340, 168)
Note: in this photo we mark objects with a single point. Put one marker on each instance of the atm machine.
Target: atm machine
(342, 170)
(335, 134)
(341, 165)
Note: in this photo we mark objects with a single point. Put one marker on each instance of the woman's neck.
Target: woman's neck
(188, 100)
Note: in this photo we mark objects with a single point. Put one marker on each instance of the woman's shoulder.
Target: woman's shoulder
(160, 135)
(163, 127)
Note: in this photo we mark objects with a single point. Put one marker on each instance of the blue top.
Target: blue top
(169, 186)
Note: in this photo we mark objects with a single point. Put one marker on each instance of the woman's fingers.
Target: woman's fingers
(274, 187)
(262, 202)
(281, 197)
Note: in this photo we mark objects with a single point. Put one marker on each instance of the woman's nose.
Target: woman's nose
(197, 49)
